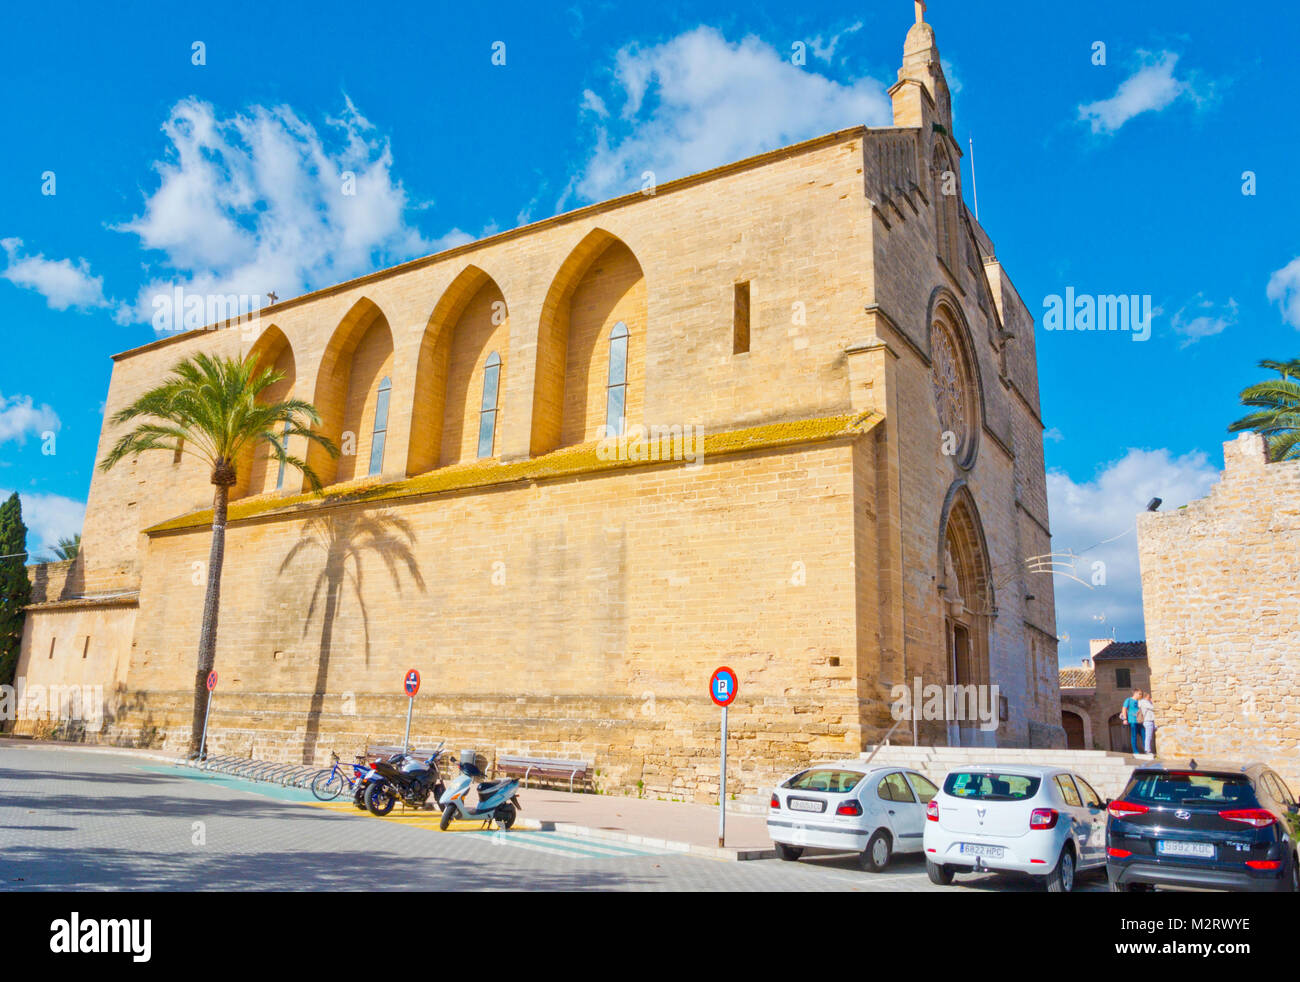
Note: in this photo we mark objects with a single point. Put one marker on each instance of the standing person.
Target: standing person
(1147, 714)
(1129, 713)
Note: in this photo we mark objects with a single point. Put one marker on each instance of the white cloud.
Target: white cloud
(1095, 521)
(1053, 435)
(698, 100)
(19, 417)
(1152, 88)
(61, 282)
(1284, 290)
(825, 50)
(49, 518)
(259, 201)
(1202, 318)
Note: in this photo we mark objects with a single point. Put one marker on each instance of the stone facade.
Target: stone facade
(861, 516)
(1221, 594)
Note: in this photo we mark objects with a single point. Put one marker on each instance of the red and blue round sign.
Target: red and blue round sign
(212, 680)
(411, 683)
(723, 687)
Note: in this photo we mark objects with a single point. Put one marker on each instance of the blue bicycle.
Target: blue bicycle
(330, 783)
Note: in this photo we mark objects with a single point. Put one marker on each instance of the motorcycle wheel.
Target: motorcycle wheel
(379, 800)
(448, 814)
(505, 816)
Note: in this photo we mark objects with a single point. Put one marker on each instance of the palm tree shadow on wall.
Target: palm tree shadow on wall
(343, 543)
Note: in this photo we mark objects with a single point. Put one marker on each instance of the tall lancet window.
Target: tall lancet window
(284, 448)
(616, 387)
(487, 417)
(381, 426)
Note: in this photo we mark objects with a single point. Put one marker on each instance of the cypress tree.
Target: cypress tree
(15, 587)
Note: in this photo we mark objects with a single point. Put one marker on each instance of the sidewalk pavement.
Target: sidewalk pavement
(685, 827)
(679, 826)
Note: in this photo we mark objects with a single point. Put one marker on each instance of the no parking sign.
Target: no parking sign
(723, 687)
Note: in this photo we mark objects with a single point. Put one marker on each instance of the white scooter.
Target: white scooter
(497, 800)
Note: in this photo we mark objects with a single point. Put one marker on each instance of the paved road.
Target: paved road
(84, 820)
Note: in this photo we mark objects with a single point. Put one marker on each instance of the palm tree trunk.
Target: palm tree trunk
(211, 607)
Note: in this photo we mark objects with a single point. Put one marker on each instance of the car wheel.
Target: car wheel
(1117, 887)
(1295, 874)
(875, 857)
(941, 875)
(1061, 879)
(788, 853)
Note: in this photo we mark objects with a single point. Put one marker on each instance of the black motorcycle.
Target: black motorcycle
(405, 779)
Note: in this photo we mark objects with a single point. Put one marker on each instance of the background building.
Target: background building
(1093, 694)
(858, 515)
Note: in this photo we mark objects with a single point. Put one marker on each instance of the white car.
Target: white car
(873, 811)
(1043, 821)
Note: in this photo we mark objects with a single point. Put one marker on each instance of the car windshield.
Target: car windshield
(990, 786)
(825, 779)
(1161, 788)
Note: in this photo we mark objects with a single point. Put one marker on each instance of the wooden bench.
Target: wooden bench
(542, 767)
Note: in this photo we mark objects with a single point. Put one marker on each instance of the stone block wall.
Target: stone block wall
(1221, 594)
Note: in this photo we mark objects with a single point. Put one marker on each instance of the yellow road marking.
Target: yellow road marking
(401, 815)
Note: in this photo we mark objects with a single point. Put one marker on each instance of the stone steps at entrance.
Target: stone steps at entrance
(1107, 772)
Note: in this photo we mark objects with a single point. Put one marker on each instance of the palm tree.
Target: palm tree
(1278, 403)
(67, 548)
(208, 408)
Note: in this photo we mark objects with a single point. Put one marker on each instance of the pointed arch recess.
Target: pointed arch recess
(470, 321)
(257, 473)
(359, 355)
(599, 283)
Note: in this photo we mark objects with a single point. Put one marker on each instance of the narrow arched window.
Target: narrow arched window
(616, 386)
(381, 426)
(487, 417)
(284, 448)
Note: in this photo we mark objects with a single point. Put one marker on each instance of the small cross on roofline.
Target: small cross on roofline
(920, 10)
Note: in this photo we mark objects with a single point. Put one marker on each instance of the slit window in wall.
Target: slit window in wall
(381, 426)
(616, 386)
(740, 330)
(284, 447)
(487, 417)
(52, 640)
(85, 648)
(176, 454)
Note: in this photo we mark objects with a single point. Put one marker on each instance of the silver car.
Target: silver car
(872, 811)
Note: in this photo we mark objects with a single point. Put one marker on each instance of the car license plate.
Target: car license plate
(1201, 850)
(804, 805)
(974, 849)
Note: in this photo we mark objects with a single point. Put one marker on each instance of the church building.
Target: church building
(780, 416)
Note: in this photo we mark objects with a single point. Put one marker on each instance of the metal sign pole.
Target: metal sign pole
(410, 708)
(722, 787)
(203, 744)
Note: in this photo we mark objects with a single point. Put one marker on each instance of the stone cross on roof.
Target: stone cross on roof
(920, 10)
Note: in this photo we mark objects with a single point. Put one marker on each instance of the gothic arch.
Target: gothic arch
(947, 208)
(258, 472)
(600, 283)
(966, 601)
(469, 322)
(955, 373)
(357, 359)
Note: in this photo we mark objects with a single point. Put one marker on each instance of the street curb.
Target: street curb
(706, 852)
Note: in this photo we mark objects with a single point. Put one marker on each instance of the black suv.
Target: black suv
(1215, 828)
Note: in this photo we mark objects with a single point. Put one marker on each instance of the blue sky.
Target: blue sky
(1122, 177)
